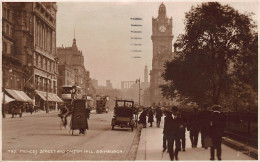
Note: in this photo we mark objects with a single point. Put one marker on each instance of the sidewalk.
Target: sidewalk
(150, 148)
(29, 114)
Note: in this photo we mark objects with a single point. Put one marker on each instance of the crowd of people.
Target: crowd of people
(210, 123)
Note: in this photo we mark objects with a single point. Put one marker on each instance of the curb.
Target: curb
(141, 151)
(9, 116)
(131, 156)
(245, 149)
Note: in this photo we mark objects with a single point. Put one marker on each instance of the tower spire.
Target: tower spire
(74, 32)
(74, 45)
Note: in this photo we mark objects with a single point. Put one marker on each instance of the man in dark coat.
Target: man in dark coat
(217, 125)
(150, 117)
(158, 116)
(170, 131)
(194, 128)
(182, 130)
(142, 118)
(204, 121)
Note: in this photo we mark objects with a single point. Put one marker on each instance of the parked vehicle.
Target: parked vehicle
(123, 114)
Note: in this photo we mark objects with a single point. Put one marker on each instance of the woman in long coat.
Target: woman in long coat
(150, 117)
(142, 118)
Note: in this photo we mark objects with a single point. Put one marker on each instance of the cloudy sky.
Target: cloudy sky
(103, 33)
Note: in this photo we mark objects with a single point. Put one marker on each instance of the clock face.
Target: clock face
(162, 28)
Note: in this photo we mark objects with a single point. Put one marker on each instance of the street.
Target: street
(38, 137)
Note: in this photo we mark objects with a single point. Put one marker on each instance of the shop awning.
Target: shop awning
(19, 95)
(58, 99)
(7, 99)
(41, 94)
(51, 96)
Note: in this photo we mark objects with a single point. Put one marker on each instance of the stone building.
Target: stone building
(162, 51)
(73, 58)
(66, 76)
(109, 84)
(12, 68)
(34, 33)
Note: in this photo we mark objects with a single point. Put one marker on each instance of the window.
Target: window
(54, 87)
(41, 60)
(47, 64)
(54, 67)
(44, 63)
(4, 12)
(36, 60)
(8, 14)
(3, 25)
(50, 66)
(4, 46)
(7, 29)
(11, 49)
(36, 82)
(11, 31)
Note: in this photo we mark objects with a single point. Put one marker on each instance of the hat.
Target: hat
(216, 107)
(174, 108)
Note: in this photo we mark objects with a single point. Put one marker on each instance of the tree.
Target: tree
(215, 41)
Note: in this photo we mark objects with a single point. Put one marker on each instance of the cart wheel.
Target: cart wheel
(113, 127)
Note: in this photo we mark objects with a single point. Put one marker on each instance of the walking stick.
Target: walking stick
(162, 155)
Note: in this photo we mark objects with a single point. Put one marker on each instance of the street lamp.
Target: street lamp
(139, 89)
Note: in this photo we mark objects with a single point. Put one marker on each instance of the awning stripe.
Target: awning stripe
(41, 95)
(19, 95)
(14, 95)
(58, 98)
(51, 96)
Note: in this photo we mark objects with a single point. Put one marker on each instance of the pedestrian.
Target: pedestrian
(31, 108)
(217, 125)
(87, 113)
(142, 118)
(158, 116)
(170, 131)
(194, 128)
(182, 129)
(150, 117)
(204, 122)
(63, 114)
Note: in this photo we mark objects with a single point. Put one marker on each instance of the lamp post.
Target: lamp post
(139, 89)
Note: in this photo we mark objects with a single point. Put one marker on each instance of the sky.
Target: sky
(103, 33)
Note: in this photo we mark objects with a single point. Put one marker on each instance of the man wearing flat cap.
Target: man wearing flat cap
(171, 128)
(217, 125)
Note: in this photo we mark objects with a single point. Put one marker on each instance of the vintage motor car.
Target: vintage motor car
(123, 114)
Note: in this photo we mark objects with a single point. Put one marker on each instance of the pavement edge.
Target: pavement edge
(240, 147)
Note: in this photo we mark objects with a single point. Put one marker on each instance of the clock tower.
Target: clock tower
(162, 51)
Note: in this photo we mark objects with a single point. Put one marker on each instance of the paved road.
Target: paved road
(39, 137)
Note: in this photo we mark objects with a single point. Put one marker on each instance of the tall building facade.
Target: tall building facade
(73, 58)
(34, 32)
(162, 51)
(12, 68)
(146, 74)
